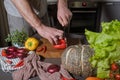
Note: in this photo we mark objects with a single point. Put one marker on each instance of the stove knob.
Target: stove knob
(84, 4)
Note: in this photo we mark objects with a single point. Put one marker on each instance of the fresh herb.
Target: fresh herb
(106, 45)
(17, 37)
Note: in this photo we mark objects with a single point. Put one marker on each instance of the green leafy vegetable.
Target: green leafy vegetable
(17, 37)
(106, 45)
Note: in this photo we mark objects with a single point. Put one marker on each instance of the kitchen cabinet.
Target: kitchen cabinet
(110, 11)
(3, 25)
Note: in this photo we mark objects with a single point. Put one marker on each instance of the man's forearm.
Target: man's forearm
(27, 12)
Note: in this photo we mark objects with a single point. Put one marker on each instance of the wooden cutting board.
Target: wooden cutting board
(50, 51)
(55, 53)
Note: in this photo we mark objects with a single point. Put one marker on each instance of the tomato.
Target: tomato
(93, 78)
(61, 44)
(114, 66)
(3, 53)
(111, 75)
(117, 76)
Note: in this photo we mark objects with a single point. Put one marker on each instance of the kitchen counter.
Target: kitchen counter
(8, 76)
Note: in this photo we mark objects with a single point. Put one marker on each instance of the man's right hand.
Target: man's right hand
(52, 34)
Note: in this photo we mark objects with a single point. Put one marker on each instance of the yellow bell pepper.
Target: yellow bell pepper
(31, 43)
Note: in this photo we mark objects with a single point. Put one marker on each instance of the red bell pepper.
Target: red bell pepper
(61, 44)
(43, 48)
(19, 64)
(8, 61)
(64, 78)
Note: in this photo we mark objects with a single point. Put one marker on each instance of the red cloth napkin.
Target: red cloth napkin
(34, 67)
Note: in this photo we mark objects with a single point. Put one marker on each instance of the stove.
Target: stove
(50, 2)
(105, 0)
(85, 16)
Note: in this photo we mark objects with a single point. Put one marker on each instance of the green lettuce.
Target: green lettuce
(106, 45)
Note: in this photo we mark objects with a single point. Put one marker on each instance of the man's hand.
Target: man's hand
(64, 15)
(52, 34)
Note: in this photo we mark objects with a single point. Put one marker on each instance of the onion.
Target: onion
(21, 55)
(21, 50)
(11, 48)
(10, 56)
(53, 68)
(15, 53)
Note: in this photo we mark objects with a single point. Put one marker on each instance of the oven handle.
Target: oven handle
(84, 11)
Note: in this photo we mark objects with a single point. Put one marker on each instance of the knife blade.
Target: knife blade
(64, 29)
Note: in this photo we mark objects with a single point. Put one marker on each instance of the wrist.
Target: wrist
(62, 3)
(38, 25)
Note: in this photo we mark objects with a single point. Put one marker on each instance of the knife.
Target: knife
(64, 34)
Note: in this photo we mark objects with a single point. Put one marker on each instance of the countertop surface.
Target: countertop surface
(8, 76)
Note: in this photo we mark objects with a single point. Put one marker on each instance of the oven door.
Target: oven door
(83, 19)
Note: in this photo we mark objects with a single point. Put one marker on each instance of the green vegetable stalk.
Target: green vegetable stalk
(106, 45)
